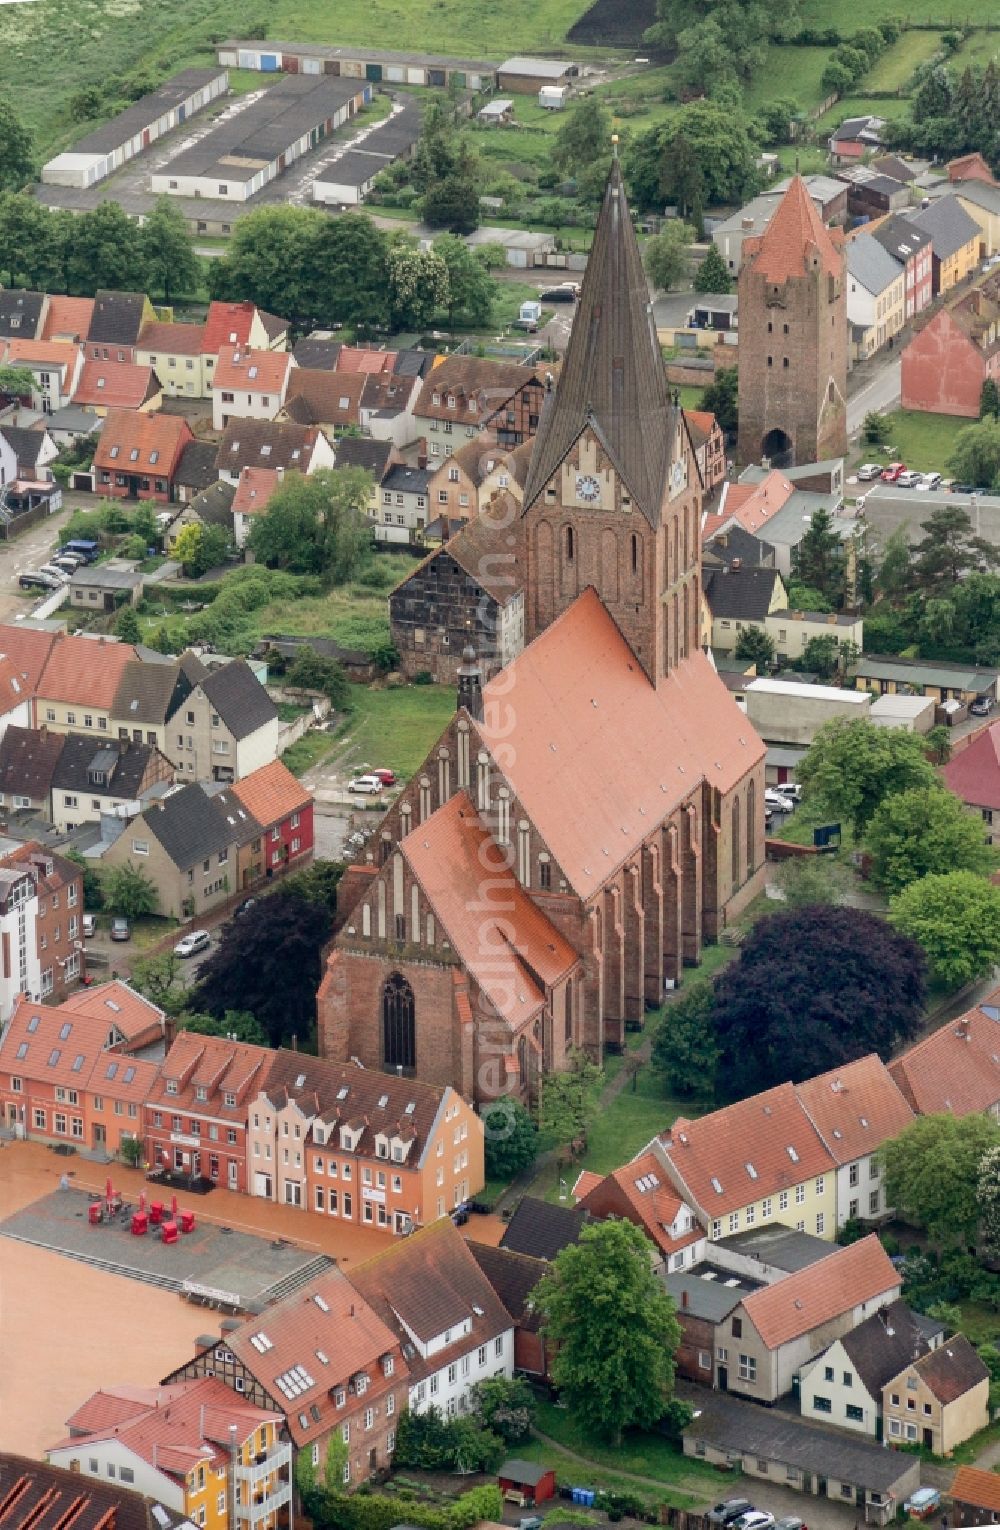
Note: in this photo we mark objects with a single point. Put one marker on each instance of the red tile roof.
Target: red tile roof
(957, 1067)
(753, 510)
(324, 398)
(846, 1278)
(508, 952)
(574, 694)
(855, 1108)
(974, 1486)
(794, 238)
(951, 1370)
(138, 1018)
(14, 687)
(271, 794)
(62, 1047)
(216, 1064)
(172, 339)
(254, 489)
(226, 324)
(28, 650)
(40, 352)
(641, 1185)
(252, 371)
(974, 774)
(84, 671)
(115, 384)
(354, 358)
(755, 1148)
(129, 441)
(68, 318)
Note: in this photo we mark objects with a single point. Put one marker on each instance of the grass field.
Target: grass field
(862, 106)
(396, 728)
(686, 1482)
(792, 73)
(895, 68)
(922, 441)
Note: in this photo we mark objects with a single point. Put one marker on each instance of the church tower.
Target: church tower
(793, 338)
(613, 495)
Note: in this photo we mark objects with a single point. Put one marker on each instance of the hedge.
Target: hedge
(366, 1510)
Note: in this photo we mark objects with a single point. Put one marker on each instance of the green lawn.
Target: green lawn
(894, 69)
(792, 73)
(861, 106)
(307, 751)
(687, 1482)
(922, 441)
(396, 728)
(980, 1323)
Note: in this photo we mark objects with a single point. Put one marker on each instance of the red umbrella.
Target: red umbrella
(109, 1193)
(173, 1206)
(142, 1200)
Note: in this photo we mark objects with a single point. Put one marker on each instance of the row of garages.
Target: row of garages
(385, 67)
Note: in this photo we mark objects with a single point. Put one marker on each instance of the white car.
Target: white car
(908, 479)
(754, 1519)
(868, 472)
(53, 572)
(194, 941)
(929, 481)
(369, 786)
(778, 800)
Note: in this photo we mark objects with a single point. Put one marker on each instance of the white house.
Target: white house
(855, 1109)
(843, 1385)
(249, 385)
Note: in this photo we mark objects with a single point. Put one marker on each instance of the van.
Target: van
(88, 550)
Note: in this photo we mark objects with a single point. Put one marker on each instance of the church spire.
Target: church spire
(613, 375)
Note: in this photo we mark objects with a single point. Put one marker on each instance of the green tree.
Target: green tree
(511, 1139)
(938, 744)
(107, 250)
(569, 1099)
(471, 289)
(613, 1330)
(704, 58)
(722, 398)
(820, 656)
(806, 597)
(955, 918)
(951, 549)
(854, 765)
(813, 879)
(584, 135)
(666, 255)
(18, 382)
(505, 1407)
(989, 400)
(895, 571)
(932, 1174)
(756, 647)
(975, 455)
(17, 166)
(713, 136)
(876, 428)
(711, 275)
(312, 671)
(316, 525)
(235, 1022)
(350, 273)
(418, 284)
(127, 625)
(684, 1049)
(172, 267)
(988, 1200)
(187, 549)
(452, 203)
(819, 559)
(129, 892)
(93, 886)
(271, 261)
(925, 831)
(159, 979)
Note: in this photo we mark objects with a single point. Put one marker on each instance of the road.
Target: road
(879, 391)
(33, 547)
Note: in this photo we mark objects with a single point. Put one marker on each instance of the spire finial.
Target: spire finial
(614, 145)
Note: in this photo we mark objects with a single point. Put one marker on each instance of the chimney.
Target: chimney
(746, 224)
(737, 563)
(281, 474)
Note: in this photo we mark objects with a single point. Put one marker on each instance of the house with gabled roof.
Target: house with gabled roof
(640, 1192)
(33, 1491)
(939, 1399)
(138, 455)
(279, 803)
(146, 699)
(22, 314)
(182, 841)
(975, 1496)
(956, 1069)
(195, 1114)
(452, 1328)
(116, 321)
(514, 1277)
(67, 319)
(974, 775)
(465, 395)
(78, 683)
(95, 776)
(104, 385)
(954, 241)
(843, 1386)
(226, 727)
(271, 444)
(175, 352)
(54, 367)
(856, 1109)
(327, 1362)
(249, 384)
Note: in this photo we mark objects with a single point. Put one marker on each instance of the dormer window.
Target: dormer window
(348, 1140)
(319, 1135)
(229, 1099)
(388, 1365)
(451, 400)
(435, 398)
(201, 1093)
(171, 1086)
(381, 1146)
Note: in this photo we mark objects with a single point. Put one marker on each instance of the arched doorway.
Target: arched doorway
(779, 448)
(399, 1040)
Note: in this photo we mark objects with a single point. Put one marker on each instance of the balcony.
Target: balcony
(266, 1465)
(263, 1505)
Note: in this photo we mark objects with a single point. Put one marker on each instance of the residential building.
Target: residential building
(138, 455)
(873, 193)
(105, 587)
(79, 682)
(331, 400)
(970, 167)
(194, 1446)
(204, 503)
(33, 1490)
(22, 314)
(279, 804)
(184, 843)
(854, 138)
(452, 1329)
(609, 557)
(876, 295)
(326, 1362)
(243, 325)
(115, 324)
(67, 319)
(946, 363)
(793, 631)
(268, 444)
(793, 338)
(97, 776)
(454, 484)
(705, 1295)
(540, 1229)
(640, 1193)
(249, 385)
(709, 443)
(954, 242)
(28, 758)
(387, 401)
(15, 698)
(856, 1109)
(147, 697)
(888, 675)
(775, 504)
(465, 395)
(405, 497)
(981, 200)
(975, 1496)
(843, 1386)
(739, 597)
(911, 246)
(754, 1162)
(250, 498)
(33, 451)
(55, 369)
(939, 1400)
(227, 726)
(67, 1076)
(775, 1330)
(514, 1277)
(364, 1147)
(104, 385)
(195, 1113)
(974, 775)
(953, 1069)
(41, 906)
(175, 353)
(100, 153)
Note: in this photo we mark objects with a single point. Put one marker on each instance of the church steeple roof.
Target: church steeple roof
(613, 375)
(793, 236)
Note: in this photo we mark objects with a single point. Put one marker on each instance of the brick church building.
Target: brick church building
(594, 812)
(793, 338)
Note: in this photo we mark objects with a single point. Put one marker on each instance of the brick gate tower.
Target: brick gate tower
(793, 338)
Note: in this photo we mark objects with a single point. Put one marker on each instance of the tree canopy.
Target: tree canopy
(853, 766)
(722, 398)
(820, 558)
(932, 1173)
(954, 917)
(666, 255)
(950, 548)
(613, 1329)
(17, 165)
(172, 266)
(684, 1048)
(703, 154)
(511, 1139)
(925, 831)
(814, 987)
(128, 891)
(712, 275)
(316, 524)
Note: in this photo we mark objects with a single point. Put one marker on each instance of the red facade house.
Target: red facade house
(970, 167)
(948, 360)
(283, 808)
(913, 247)
(138, 455)
(195, 1118)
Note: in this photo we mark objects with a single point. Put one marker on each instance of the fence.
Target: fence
(11, 529)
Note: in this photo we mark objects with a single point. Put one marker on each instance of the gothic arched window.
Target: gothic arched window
(399, 1040)
(736, 838)
(752, 827)
(569, 544)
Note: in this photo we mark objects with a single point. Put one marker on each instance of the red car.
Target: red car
(892, 472)
(387, 777)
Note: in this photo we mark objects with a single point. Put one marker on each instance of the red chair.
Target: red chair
(187, 1221)
(156, 1213)
(170, 1233)
(95, 1212)
(140, 1224)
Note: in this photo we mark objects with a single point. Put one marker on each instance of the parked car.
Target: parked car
(365, 785)
(981, 707)
(789, 789)
(790, 1522)
(54, 572)
(731, 1508)
(754, 1519)
(563, 292)
(777, 800)
(929, 481)
(120, 929)
(908, 479)
(387, 777)
(244, 907)
(891, 473)
(868, 471)
(923, 1503)
(89, 925)
(962, 488)
(34, 579)
(193, 942)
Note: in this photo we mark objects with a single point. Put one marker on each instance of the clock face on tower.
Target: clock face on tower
(588, 488)
(678, 476)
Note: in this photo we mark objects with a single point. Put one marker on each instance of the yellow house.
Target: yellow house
(982, 203)
(939, 1400)
(197, 1447)
(738, 596)
(758, 1161)
(792, 631)
(175, 352)
(955, 238)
